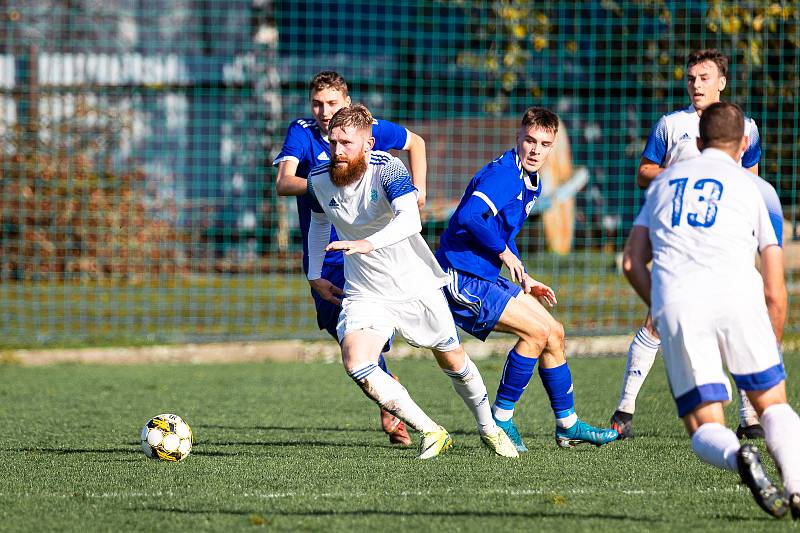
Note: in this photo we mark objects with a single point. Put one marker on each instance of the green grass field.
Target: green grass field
(298, 447)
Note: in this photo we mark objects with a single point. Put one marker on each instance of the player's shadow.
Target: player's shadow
(534, 514)
(329, 429)
(69, 451)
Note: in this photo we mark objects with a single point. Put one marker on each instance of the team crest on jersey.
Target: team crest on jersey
(323, 157)
(373, 195)
(333, 203)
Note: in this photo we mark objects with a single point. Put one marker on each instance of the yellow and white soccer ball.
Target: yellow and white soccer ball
(167, 437)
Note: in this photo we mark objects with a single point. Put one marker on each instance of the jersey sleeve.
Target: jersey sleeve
(765, 230)
(313, 202)
(656, 148)
(295, 144)
(773, 205)
(389, 136)
(643, 218)
(752, 155)
(396, 180)
(495, 189)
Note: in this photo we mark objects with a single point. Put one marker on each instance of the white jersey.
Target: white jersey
(673, 139)
(399, 272)
(706, 220)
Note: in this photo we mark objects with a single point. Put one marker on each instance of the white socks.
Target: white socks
(747, 413)
(717, 445)
(468, 383)
(782, 432)
(641, 356)
(391, 396)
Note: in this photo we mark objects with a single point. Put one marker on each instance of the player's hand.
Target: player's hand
(327, 290)
(421, 196)
(540, 291)
(362, 246)
(514, 265)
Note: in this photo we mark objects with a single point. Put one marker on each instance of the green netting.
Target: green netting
(136, 187)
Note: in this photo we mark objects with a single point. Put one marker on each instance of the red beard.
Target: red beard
(342, 176)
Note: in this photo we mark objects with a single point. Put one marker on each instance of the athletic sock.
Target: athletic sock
(382, 365)
(391, 396)
(747, 413)
(558, 384)
(468, 383)
(716, 445)
(782, 433)
(641, 355)
(517, 373)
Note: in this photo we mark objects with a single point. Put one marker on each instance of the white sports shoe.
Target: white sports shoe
(500, 444)
(434, 443)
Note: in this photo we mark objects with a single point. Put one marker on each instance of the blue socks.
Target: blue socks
(558, 384)
(517, 373)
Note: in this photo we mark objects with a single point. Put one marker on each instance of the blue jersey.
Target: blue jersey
(491, 213)
(305, 144)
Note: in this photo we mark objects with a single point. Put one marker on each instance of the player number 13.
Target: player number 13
(710, 193)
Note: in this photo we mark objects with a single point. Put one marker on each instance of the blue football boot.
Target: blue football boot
(583, 433)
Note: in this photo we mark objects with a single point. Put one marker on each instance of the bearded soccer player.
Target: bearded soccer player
(392, 281)
(702, 224)
(478, 242)
(672, 140)
(307, 146)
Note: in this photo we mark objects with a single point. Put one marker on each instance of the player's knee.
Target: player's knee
(537, 334)
(556, 333)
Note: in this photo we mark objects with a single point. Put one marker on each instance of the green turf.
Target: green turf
(297, 447)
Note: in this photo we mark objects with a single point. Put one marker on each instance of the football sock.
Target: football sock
(391, 396)
(468, 383)
(641, 355)
(716, 445)
(382, 365)
(517, 373)
(558, 384)
(747, 413)
(782, 433)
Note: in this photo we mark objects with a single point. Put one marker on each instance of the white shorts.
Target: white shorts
(425, 323)
(698, 336)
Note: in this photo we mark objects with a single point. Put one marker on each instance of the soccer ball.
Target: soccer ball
(167, 437)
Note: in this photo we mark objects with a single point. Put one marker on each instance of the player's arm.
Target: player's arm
(286, 182)
(648, 171)
(406, 222)
(319, 233)
(418, 163)
(774, 287)
(638, 252)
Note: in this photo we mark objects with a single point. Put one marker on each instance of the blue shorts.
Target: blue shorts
(328, 313)
(477, 304)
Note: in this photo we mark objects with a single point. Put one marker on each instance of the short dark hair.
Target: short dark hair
(541, 118)
(708, 54)
(328, 79)
(722, 125)
(357, 115)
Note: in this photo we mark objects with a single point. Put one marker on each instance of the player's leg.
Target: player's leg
(428, 323)
(749, 425)
(364, 328)
(477, 305)
(327, 319)
(525, 317)
(641, 356)
(693, 356)
(782, 433)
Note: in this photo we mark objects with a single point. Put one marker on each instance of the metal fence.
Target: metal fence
(137, 197)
